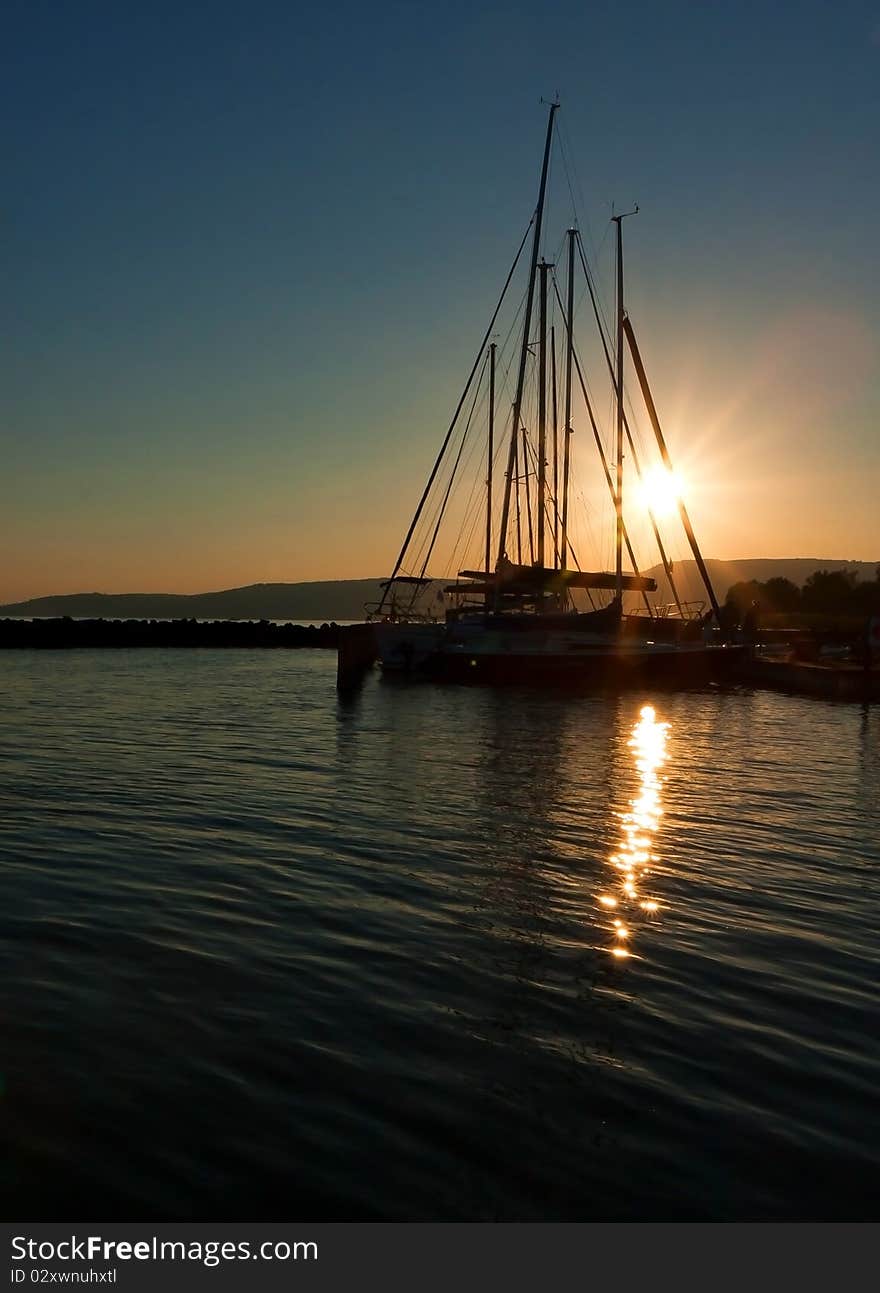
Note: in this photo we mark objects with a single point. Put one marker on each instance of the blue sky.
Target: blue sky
(248, 252)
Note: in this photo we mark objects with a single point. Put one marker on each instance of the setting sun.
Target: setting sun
(660, 491)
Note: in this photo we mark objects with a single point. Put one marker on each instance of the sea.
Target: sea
(431, 952)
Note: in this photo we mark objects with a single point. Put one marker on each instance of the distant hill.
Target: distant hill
(344, 599)
(339, 599)
(726, 573)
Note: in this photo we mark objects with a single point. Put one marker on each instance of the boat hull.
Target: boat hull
(406, 648)
(556, 650)
(616, 667)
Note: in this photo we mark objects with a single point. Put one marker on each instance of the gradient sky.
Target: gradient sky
(249, 250)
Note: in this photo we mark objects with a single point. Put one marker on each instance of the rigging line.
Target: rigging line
(447, 563)
(599, 446)
(525, 477)
(565, 166)
(558, 298)
(519, 309)
(578, 204)
(574, 557)
(464, 393)
(667, 565)
(475, 409)
(464, 541)
(567, 150)
(454, 470)
(502, 349)
(598, 308)
(472, 515)
(601, 321)
(555, 514)
(433, 514)
(422, 537)
(471, 512)
(559, 249)
(667, 462)
(591, 543)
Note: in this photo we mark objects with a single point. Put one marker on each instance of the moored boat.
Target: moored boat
(541, 617)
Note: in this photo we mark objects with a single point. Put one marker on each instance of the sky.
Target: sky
(248, 252)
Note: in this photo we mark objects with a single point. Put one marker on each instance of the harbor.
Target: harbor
(439, 642)
(774, 663)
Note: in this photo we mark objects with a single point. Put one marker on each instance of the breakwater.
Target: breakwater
(56, 634)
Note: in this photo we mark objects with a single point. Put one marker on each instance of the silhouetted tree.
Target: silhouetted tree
(826, 592)
(781, 595)
(775, 595)
(831, 592)
(740, 596)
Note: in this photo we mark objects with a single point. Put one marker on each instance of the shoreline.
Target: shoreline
(66, 633)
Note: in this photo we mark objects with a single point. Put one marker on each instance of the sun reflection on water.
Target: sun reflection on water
(639, 826)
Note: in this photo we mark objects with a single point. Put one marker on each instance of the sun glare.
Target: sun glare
(660, 491)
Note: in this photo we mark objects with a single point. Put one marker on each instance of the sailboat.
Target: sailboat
(516, 617)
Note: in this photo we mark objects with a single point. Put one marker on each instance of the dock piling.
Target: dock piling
(355, 654)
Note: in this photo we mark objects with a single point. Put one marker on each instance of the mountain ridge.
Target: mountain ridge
(344, 599)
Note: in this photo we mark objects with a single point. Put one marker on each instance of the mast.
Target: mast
(520, 380)
(542, 407)
(600, 448)
(490, 456)
(618, 493)
(618, 538)
(525, 477)
(566, 452)
(515, 469)
(667, 463)
(555, 449)
(667, 564)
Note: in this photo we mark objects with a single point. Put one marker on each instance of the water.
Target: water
(268, 954)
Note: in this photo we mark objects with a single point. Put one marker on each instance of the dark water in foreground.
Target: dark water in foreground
(266, 954)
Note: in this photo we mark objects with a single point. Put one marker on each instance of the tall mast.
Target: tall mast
(525, 477)
(527, 323)
(555, 449)
(603, 460)
(618, 502)
(618, 493)
(569, 350)
(542, 408)
(490, 456)
(667, 564)
(515, 468)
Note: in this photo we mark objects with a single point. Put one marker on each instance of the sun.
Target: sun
(660, 490)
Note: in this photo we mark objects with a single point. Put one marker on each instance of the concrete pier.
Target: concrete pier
(831, 681)
(355, 654)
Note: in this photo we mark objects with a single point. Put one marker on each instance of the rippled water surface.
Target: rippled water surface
(430, 953)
